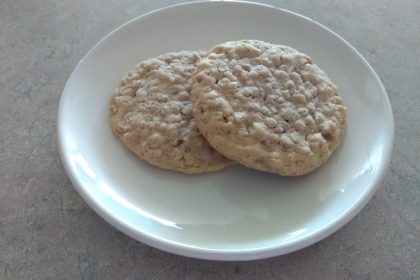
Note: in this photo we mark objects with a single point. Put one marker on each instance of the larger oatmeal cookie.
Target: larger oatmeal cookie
(267, 107)
(150, 111)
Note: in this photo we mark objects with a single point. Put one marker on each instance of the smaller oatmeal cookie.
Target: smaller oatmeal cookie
(267, 107)
(150, 111)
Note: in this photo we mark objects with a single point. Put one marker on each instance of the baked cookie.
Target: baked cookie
(267, 107)
(150, 111)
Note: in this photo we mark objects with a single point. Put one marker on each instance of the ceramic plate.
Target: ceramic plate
(238, 213)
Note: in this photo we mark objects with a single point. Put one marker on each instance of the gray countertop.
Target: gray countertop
(48, 232)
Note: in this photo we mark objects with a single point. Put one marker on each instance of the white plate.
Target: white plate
(236, 214)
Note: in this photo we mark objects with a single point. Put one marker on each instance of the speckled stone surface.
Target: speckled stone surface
(48, 232)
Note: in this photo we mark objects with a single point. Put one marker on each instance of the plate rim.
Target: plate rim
(228, 254)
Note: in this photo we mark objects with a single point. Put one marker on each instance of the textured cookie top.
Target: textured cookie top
(268, 107)
(150, 111)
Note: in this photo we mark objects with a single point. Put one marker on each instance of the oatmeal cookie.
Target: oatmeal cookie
(150, 111)
(268, 107)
